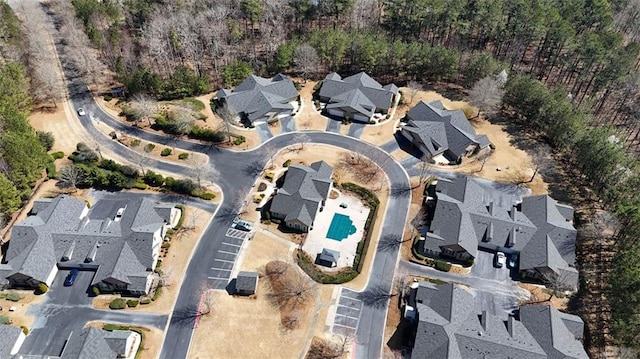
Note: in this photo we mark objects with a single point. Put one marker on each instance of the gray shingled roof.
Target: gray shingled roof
(466, 215)
(95, 343)
(358, 92)
(247, 281)
(122, 249)
(329, 255)
(448, 328)
(556, 332)
(440, 130)
(257, 96)
(9, 334)
(303, 190)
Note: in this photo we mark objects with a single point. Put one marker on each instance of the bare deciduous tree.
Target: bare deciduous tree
(424, 167)
(306, 60)
(290, 287)
(486, 95)
(70, 176)
(414, 87)
(228, 116)
(331, 348)
(302, 139)
(143, 107)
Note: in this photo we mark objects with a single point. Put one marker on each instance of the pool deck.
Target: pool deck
(317, 240)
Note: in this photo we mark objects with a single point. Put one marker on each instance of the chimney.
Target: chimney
(491, 208)
(512, 237)
(483, 320)
(514, 209)
(510, 325)
(489, 233)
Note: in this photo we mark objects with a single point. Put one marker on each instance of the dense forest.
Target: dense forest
(574, 81)
(23, 155)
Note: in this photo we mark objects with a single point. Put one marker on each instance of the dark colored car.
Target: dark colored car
(71, 278)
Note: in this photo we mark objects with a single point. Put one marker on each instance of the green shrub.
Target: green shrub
(46, 139)
(153, 179)
(95, 290)
(183, 156)
(443, 266)
(207, 134)
(194, 103)
(108, 98)
(183, 186)
(57, 155)
(132, 303)
(183, 214)
(111, 327)
(165, 152)
(12, 296)
(146, 300)
(135, 143)
(25, 330)
(149, 147)
(286, 163)
(204, 195)
(50, 167)
(4, 319)
(238, 139)
(139, 185)
(118, 303)
(165, 245)
(42, 288)
(269, 176)
(157, 294)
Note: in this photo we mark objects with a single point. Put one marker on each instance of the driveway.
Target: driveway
(356, 129)
(264, 131)
(287, 124)
(499, 295)
(77, 294)
(333, 125)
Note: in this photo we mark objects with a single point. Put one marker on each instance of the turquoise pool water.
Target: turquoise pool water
(341, 227)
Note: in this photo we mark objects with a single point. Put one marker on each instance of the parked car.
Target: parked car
(499, 260)
(71, 278)
(81, 112)
(513, 261)
(242, 226)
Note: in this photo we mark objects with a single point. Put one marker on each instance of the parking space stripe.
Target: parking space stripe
(346, 296)
(218, 278)
(347, 316)
(344, 326)
(225, 252)
(226, 270)
(223, 260)
(231, 244)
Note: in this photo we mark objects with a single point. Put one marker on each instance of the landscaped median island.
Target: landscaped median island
(90, 169)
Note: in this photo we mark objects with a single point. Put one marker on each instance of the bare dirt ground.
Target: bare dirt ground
(515, 164)
(540, 295)
(152, 340)
(174, 264)
(19, 316)
(66, 135)
(237, 321)
(379, 134)
(309, 119)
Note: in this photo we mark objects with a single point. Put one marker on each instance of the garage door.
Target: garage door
(334, 112)
(361, 118)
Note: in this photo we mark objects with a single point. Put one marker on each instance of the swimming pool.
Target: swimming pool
(341, 227)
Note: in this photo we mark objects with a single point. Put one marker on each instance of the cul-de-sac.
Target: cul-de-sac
(319, 179)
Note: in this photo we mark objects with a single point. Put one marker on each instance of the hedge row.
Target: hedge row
(307, 265)
(373, 202)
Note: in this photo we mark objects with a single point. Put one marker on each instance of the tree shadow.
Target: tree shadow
(253, 169)
(376, 297)
(390, 242)
(400, 190)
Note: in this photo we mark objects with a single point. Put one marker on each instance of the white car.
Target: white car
(500, 260)
(81, 112)
(242, 225)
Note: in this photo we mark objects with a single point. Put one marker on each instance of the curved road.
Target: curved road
(238, 170)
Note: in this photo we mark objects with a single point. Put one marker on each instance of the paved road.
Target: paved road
(238, 170)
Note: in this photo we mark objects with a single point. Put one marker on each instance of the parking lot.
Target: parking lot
(77, 294)
(347, 313)
(483, 268)
(225, 258)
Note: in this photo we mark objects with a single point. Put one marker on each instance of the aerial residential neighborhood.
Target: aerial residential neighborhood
(319, 179)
